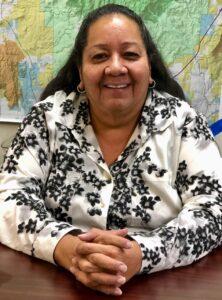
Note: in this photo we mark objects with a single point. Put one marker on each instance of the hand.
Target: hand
(102, 265)
(94, 265)
(95, 232)
(99, 279)
(65, 250)
(69, 248)
(108, 258)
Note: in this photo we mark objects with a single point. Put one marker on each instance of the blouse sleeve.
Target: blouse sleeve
(197, 229)
(25, 222)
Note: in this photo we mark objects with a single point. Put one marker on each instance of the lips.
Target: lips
(116, 86)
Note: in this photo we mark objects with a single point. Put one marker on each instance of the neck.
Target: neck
(103, 122)
(113, 134)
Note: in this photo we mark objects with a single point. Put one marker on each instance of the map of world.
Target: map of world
(36, 38)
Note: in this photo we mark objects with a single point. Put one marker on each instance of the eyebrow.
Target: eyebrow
(125, 44)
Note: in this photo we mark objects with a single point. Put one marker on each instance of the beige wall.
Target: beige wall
(7, 132)
(219, 142)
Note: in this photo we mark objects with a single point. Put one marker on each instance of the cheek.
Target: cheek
(142, 72)
(142, 79)
(92, 75)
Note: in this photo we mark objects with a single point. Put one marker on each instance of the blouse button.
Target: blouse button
(133, 192)
(107, 176)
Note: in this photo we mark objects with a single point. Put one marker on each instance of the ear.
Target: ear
(80, 72)
(81, 84)
(151, 80)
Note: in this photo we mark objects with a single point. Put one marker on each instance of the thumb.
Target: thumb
(94, 233)
(119, 232)
(90, 235)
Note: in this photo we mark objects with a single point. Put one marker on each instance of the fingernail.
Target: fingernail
(118, 292)
(71, 270)
(123, 268)
(83, 234)
(128, 245)
(121, 280)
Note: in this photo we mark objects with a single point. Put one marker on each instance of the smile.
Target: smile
(116, 86)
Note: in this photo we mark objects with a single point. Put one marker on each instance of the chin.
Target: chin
(119, 104)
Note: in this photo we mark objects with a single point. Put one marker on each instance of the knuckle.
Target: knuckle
(79, 247)
(92, 257)
(91, 282)
(92, 277)
(87, 267)
(114, 252)
(87, 247)
(96, 279)
(90, 269)
(82, 265)
(99, 240)
(84, 248)
(88, 281)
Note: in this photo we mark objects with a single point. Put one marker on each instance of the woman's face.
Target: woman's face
(115, 70)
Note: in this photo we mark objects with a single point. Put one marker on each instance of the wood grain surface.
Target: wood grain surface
(23, 277)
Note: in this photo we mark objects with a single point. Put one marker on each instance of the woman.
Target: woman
(112, 148)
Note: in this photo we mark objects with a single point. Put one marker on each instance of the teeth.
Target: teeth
(118, 86)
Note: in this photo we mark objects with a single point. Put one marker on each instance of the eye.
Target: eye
(131, 55)
(99, 57)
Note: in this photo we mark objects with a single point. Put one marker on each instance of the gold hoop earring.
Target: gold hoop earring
(153, 85)
(80, 91)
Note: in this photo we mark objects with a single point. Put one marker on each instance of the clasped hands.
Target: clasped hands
(100, 259)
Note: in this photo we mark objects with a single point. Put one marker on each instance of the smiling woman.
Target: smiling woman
(115, 74)
(112, 174)
(115, 70)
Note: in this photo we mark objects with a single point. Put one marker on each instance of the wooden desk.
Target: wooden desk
(23, 278)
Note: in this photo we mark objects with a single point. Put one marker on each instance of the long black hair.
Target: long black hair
(68, 78)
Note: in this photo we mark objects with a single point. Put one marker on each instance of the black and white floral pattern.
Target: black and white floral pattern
(166, 186)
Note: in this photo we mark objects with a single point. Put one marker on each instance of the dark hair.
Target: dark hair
(68, 78)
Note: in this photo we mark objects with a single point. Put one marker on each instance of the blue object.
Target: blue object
(216, 127)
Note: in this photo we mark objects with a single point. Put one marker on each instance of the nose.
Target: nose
(115, 66)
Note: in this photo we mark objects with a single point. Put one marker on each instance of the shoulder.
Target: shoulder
(187, 121)
(43, 114)
(57, 102)
(162, 110)
(175, 105)
(69, 110)
(60, 108)
(171, 107)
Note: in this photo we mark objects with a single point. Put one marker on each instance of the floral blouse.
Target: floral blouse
(166, 187)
